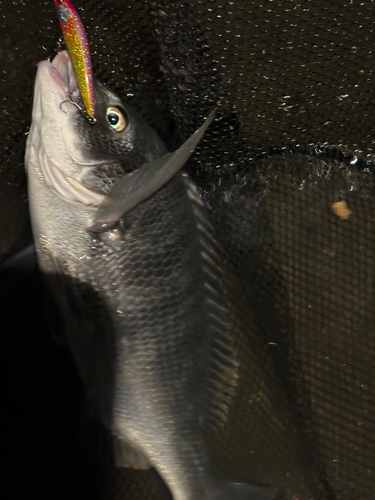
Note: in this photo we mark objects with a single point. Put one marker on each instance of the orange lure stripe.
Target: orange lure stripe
(78, 48)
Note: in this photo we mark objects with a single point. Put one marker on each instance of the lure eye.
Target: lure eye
(116, 119)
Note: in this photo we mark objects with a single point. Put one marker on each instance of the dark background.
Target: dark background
(294, 82)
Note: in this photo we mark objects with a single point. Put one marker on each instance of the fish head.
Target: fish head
(120, 131)
(78, 160)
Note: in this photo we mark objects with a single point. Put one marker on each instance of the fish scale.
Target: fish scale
(148, 335)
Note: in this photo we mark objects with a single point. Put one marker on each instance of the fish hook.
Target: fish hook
(89, 118)
(61, 104)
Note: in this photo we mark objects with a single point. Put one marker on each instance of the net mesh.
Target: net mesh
(287, 173)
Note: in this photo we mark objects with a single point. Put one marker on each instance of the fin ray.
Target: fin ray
(222, 374)
(132, 189)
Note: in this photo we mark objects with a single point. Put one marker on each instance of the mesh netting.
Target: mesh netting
(287, 173)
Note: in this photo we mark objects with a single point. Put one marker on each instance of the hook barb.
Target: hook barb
(71, 100)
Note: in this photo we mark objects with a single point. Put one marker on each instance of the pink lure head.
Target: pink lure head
(69, 4)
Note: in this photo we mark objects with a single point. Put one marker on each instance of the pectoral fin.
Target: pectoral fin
(134, 188)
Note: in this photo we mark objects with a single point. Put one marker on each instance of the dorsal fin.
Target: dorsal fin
(222, 373)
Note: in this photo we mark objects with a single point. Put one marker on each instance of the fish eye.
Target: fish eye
(116, 119)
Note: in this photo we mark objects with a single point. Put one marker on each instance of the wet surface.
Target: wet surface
(284, 74)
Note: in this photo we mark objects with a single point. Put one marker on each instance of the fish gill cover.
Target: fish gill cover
(287, 173)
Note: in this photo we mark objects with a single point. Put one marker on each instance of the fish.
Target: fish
(78, 47)
(138, 282)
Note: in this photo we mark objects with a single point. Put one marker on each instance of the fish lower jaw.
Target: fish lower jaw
(63, 185)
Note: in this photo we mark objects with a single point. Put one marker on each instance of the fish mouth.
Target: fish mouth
(54, 148)
(62, 72)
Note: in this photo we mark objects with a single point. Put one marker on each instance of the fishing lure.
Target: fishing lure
(78, 48)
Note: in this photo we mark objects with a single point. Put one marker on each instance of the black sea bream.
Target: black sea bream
(140, 295)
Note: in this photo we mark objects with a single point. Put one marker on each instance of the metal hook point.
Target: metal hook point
(90, 119)
(61, 104)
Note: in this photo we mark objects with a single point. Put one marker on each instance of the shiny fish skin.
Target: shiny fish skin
(138, 314)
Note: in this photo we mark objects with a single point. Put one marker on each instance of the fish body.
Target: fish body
(141, 301)
(76, 42)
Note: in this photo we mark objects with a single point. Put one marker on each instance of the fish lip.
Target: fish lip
(61, 71)
(61, 171)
